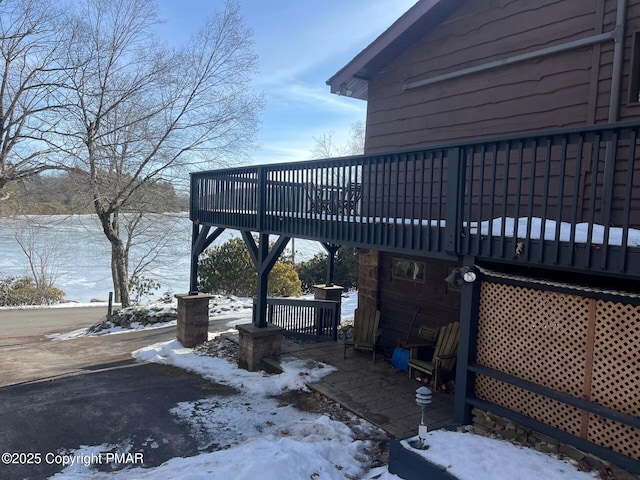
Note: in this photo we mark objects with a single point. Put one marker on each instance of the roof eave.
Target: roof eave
(353, 79)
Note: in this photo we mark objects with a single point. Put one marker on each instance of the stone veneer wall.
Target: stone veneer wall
(368, 270)
(489, 424)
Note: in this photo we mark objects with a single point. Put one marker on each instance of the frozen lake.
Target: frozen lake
(79, 253)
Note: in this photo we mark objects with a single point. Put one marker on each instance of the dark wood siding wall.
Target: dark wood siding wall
(565, 89)
(558, 90)
(549, 92)
(628, 109)
(397, 299)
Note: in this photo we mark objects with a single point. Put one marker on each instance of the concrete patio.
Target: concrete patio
(377, 392)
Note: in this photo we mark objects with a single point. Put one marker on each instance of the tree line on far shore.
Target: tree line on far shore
(70, 193)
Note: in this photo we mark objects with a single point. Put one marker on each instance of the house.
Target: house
(502, 140)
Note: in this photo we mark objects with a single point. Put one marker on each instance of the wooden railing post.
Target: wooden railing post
(455, 199)
(194, 198)
(262, 198)
(611, 157)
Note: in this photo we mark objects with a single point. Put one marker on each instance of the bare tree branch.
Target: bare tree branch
(326, 147)
(31, 43)
(137, 111)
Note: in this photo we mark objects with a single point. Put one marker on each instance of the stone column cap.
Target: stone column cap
(252, 330)
(187, 296)
(325, 287)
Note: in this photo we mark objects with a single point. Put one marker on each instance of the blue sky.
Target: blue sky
(300, 43)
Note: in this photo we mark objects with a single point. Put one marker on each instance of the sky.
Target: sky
(270, 441)
(300, 45)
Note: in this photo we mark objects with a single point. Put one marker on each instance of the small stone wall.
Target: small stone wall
(494, 426)
(257, 344)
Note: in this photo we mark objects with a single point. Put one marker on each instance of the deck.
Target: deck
(567, 199)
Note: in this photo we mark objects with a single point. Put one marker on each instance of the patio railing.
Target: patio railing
(313, 320)
(568, 198)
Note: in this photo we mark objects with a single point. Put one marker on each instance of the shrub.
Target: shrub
(228, 269)
(345, 273)
(141, 287)
(284, 281)
(312, 272)
(18, 291)
(346, 268)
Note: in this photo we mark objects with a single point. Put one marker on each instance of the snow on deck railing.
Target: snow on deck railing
(533, 229)
(530, 228)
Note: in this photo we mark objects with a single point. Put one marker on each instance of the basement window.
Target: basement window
(408, 270)
(634, 78)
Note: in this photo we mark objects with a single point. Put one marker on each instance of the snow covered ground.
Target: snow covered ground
(256, 438)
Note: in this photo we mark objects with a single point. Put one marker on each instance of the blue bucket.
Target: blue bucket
(400, 359)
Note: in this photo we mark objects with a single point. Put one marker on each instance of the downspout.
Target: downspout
(564, 47)
(618, 57)
(614, 111)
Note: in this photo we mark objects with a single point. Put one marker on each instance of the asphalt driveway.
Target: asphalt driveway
(56, 396)
(125, 404)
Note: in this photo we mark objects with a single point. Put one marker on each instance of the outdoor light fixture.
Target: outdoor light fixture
(457, 276)
(454, 278)
(468, 275)
(344, 90)
(423, 399)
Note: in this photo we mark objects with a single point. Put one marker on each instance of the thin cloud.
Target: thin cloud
(319, 99)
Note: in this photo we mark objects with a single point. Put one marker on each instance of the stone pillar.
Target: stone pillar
(258, 343)
(193, 319)
(322, 292)
(368, 284)
(334, 293)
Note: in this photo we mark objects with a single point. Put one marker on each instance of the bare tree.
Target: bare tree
(31, 52)
(42, 256)
(141, 113)
(326, 147)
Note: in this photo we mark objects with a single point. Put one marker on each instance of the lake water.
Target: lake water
(80, 255)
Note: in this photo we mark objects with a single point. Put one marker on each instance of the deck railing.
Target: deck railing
(567, 198)
(313, 320)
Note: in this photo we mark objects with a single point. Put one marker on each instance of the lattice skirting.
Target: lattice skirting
(585, 347)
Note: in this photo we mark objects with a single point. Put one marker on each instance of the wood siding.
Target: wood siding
(397, 299)
(563, 89)
(544, 93)
(558, 90)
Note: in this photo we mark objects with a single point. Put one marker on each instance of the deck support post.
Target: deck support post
(467, 345)
(200, 240)
(264, 260)
(331, 249)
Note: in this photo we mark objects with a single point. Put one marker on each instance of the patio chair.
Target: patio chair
(350, 201)
(444, 354)
(366, 331)
(321, 198)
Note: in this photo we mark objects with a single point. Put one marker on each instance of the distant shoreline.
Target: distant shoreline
(59, 305)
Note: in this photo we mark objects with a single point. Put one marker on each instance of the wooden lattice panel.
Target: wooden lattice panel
(616, 436)
(530, 404)
(536, 335)
(616, 364)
